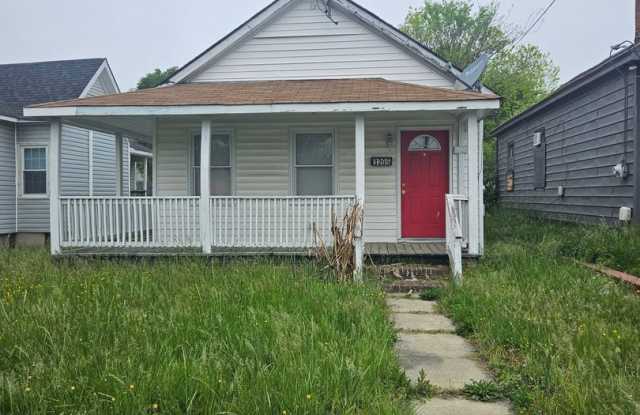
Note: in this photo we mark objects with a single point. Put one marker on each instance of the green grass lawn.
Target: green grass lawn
(184, 336)
(562, 339)
(615, 247)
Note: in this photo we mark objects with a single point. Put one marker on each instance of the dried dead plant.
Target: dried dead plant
(339, 257)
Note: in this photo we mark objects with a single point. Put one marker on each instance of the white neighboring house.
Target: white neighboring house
(87, 159)
(305, 108)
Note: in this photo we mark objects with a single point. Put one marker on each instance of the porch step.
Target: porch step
(408, 286)
(412, 271)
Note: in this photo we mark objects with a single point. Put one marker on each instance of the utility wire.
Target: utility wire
(530, 28)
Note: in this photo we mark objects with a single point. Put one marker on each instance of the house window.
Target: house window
(220, 163)
(511, 167)
(313, 163)
(34, 171)
(539, 160)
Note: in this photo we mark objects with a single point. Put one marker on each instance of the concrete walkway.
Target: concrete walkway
(427, 341)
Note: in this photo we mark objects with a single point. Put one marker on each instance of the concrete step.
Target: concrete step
(410, 305)
(458, 406)
(406, 286)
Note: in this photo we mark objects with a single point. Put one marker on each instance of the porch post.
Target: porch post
(205, 190)
(474, 190)
(360, 191)
(54, 186)
(119, 164)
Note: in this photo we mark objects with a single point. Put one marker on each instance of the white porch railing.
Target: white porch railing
(456, 217)
(274, 221)
(87, 222)
(174, 222)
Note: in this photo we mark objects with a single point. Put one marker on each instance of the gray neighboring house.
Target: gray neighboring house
(88, 161)
(574, 156)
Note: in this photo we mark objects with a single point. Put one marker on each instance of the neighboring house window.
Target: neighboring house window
(140, 177)
(34, 171)
(313, 163)
(539, 160)
(511, 167)
(220, 163)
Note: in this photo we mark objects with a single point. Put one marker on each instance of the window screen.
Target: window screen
(220, 179)
(314, 163)
(34, 171)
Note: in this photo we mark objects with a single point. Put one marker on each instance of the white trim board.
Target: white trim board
(261, 109)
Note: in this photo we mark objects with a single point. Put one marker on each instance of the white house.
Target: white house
(305, 108)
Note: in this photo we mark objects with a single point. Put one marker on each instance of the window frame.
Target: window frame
(22, 148)
(232, 159)
(293, 165)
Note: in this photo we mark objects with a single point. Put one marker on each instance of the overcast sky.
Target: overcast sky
(140, 35)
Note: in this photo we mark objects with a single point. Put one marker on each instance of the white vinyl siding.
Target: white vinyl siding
(7, 178)
(302, 43)
(102, 85)
(262, 160)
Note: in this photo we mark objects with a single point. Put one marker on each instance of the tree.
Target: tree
(521, 74)
(454, 31)
(153, 79)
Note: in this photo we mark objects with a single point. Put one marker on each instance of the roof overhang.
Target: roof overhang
(630, 56)
(8, 119)
(357, 107)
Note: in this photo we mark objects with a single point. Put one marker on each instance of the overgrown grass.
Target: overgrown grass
(562, 339)
(184, 336)
(616, 247)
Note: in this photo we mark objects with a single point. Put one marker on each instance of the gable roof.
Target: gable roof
(360, 13)
(24, 84)
(315, 91)
(627, 56)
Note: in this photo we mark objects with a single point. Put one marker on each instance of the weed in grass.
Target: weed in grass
(562, 339)
(431, 294)
(423, 388)
(483, 390)
(182, 335)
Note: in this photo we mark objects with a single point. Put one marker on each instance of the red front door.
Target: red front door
(424, 183)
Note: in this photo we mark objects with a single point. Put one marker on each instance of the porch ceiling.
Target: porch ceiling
(303, 96)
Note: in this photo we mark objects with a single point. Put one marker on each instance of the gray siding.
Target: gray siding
(585, 138)
(7, 178)
(74, 165)
(33, 213)
(104, 160)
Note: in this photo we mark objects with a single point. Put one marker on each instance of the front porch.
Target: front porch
(264, 177)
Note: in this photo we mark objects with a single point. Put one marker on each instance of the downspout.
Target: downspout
(15, 160)
(636, 139)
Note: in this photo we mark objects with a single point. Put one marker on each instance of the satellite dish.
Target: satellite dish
(472, 73)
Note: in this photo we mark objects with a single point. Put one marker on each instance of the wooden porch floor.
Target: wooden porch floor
(417, 249)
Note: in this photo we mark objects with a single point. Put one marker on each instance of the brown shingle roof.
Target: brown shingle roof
(318, 91)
